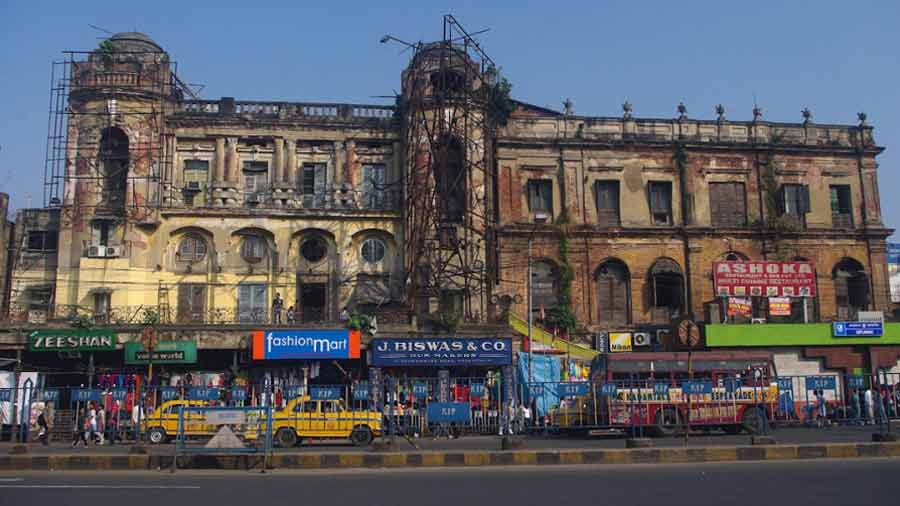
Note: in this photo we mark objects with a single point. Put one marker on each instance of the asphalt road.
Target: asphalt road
(795, 483)
(785, 435)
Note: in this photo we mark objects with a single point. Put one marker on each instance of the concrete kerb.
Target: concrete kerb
(84, 462)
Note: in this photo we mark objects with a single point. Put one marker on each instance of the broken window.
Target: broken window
(607, 203)
(660, 203)
(450, 178)
(540, 198)
(793, 202)
(256, 181)
(666, 290)
(613, 293)
(374, 186)
(312, 184)
(841, 210)
(544, 285)
(727, 204)
(42, 240)
(851, 288)
(114, 163)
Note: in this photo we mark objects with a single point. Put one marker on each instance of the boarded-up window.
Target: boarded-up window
(191, 303)
(660, 193)
(613, 298)
(540, 196)
(841, 209)
(607, 203)
(727, 204)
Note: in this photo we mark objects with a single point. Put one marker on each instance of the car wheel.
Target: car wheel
(666, 422)
(157, 435)
(361, 436)
(753, 421)
(286, 438)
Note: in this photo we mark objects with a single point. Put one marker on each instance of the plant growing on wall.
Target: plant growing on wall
(500, 102)
(562, 317)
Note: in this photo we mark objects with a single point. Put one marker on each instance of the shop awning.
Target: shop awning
(545, 339)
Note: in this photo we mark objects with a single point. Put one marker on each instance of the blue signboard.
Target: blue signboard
(292, 391)
(893, 253)
(785, 384)
(857, 329)
(609, 389)
(696, 387)
(325, 393)
(168, 393)
(856, 382)
(5, 395)
(119, 394)
(305, 344)
(238, 394)
(51, 395)
(573, 389)
(203, 394)
(476, 390)
(661, 388)
(361, 391)
(420, 388)
(821, 383)
(431, 352)
(448, 412)
(85, 394)
(732, 384)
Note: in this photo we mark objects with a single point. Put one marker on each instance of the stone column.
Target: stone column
(278, 162)
(219, 169)
(231, 169)
(176, 173)
(339, 162)
(290, 169)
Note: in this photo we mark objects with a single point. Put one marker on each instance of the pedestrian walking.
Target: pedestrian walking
(877, 398)
(44, 429)
(80, 430)
(822, 409)
(870, 407)
(291, 315)
(277, 307)
(854, 405)
(101, 424)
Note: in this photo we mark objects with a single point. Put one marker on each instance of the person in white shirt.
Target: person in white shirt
(870, 406)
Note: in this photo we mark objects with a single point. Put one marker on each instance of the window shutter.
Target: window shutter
(319, 183)
(806, 204)
(780, 200)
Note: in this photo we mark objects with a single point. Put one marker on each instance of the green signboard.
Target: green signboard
(791, 334)
(72, 340)
(166, 352)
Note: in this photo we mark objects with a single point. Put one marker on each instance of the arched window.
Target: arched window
(253, 248)
(544, 285)
(372, 250)
(851, 288)
(666, 295)
(450, 178)
(192, 248)
(314, 249)
(114, 167)
(613, 293)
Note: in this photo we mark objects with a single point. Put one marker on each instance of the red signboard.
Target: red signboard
(739, 307)
(765, 279)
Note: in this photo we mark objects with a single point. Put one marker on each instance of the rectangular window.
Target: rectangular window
(42, 240)
(312, 184)
(191, 303)
(252, 304)
(374, 186)
(607, 203)
(661, 203)
(841, 209)
(794, 202)
(195, 180)
(727, 204)
(540, 197)
(451, 302)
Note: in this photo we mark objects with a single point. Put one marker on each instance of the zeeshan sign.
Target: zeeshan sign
(765, 279)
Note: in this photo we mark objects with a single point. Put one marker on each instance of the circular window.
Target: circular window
(372, 251)
(253, 248)
(314, 249)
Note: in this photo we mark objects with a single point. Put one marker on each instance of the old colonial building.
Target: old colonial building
(166, 208)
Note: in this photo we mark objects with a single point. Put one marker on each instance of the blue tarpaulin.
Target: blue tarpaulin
(546, 374)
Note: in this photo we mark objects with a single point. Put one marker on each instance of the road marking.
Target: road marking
(126, 487)
(11, 479)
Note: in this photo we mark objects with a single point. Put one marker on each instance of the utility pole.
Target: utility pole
(530, 322)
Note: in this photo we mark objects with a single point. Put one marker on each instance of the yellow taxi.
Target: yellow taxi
(162, 423)
(304, 418)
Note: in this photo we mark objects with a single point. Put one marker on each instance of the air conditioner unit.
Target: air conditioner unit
(113, 251)
(641, 339)
(96, 251)
(193, 186)
(541, 216)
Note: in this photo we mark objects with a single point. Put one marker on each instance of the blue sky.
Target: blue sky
(837, 58)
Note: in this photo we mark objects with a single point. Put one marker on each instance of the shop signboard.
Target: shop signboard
(779, 306)
(738, 306)
(51, 395)
(448, 412)
(476, 389)
(420, 389)
(857, 382)
(661, 388)
(203, 394)
(696, 387)
(441, 352)
(821, 383)
(166, 352)
(329, 393)
(238, 394)
(893, 261)
(857, 329)
(168, 393)
(72, 340)
(619, 342)
(785, 384)
(85, 394)
(361, 391)
(764, 279)
(305, 344)
(573, 389)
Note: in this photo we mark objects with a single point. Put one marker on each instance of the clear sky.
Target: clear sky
(835, 57)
